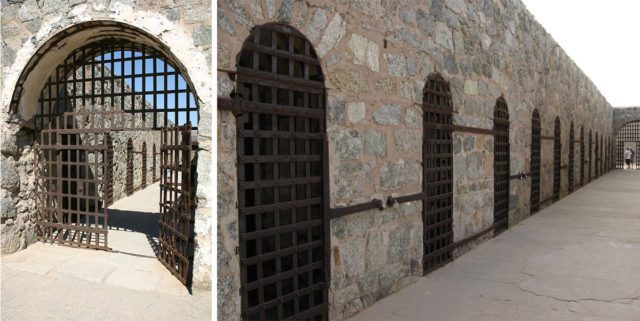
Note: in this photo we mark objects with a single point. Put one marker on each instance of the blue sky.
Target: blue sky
(135, 78)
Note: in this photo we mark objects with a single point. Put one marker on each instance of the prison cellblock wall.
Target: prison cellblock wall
(376, 62)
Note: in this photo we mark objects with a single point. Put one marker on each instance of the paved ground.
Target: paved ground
(50, 282)
(578, 259)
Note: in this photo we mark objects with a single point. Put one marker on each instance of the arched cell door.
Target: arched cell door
(571, 157)
(596, 169)
(590, 169)
(129, 168)
(582, 158)
(501, 157)
(535, 162)
(437, 156)
(557, 150)
(281, 177)
(144, 165)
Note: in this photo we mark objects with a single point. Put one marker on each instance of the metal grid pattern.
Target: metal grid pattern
(108, 189)
(535, 161)
(282, 177)
(557, 149)
(590, 169)
(582, 156)
(129, 168)
(571, 157)
(437, 159)
(144, 165)
(175, 200)
(501, 166)
(154, 159)
(127, 76)
(71, 182)
(629, 133)
(596, 170)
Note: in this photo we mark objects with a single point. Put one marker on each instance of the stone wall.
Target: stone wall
(621, 116)
(182, 30)
(376, 56)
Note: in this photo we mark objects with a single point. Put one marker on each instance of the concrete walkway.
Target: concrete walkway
(52, 282)
(578, 259)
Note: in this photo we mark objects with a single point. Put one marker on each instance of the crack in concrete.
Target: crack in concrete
(630, 300)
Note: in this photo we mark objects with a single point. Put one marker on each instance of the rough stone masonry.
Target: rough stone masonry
(376, 56)
(183, 27)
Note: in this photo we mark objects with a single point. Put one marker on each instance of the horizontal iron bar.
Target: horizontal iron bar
(474, 130)
(343, 211)
(404, 199)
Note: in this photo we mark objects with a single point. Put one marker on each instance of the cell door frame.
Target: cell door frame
(62, 215)
(501, 173)
(536, 161)
(557, 159)
(311, 112)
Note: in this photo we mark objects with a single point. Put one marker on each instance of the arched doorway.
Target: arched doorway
(557, 150)
(535, 161)
(100, 98)
(571, 157)
(596, 169)
(590, 169)
(501, 166)
(282, 192)
(582, 158)
(437, 160)
(628, 136)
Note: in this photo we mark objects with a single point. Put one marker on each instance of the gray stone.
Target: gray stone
(388, 114)
(350, 178)
(469, 143)
(316, 24)
(347, 144)
(407, 14)
(333, 59)
(413, 117)
(443, 36)
(201, 35)
(398, 240)
(375, 143)
(7, 209)
(223, 55)
(364, 52)
(225, 85)
(399, 174)
(408, 140)
(356, 112)
(285, 10)
(8, 55)
(8, 142)
(10, 179)
(412, 67)
(397, 64)
(474, 165)
(372, 250)
(241, 15)
(338, 227)
(450, 63)
(425, 23)
(332, 35)
(173, 14)
(224, 23)
(256, 8)
(336, 109)
(371, 8)
(271, 8)
(457, 6)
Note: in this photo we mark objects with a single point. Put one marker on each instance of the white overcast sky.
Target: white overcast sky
(602, 37)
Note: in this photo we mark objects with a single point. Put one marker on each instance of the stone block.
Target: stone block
(316, 24)
(364, 52)
(356, 112)
(443, 36)
(399, 174)
(335, 31)
(347, 144)
(397, 64)
(375, 143)
(388, 114)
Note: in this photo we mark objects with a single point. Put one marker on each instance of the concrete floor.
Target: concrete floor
(578, 259)
(129, 283)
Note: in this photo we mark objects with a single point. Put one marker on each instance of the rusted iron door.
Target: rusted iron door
(144, 165)
(129, 168)
(571, 157)
(72, 182)
(437, 156)
(176, 204)
(501, 166)
(535, 162)
(281, 177)
(557, 149)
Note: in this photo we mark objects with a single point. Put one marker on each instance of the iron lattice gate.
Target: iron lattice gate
(129, 168)
(582, 158)
(144, 166)
(281, 177)
(72, 170)
(535, 162)
(557, 150)
(571, 157)
(596, 169)
(437, 155)
(501, 167)
(175, 201)
(590, 168)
